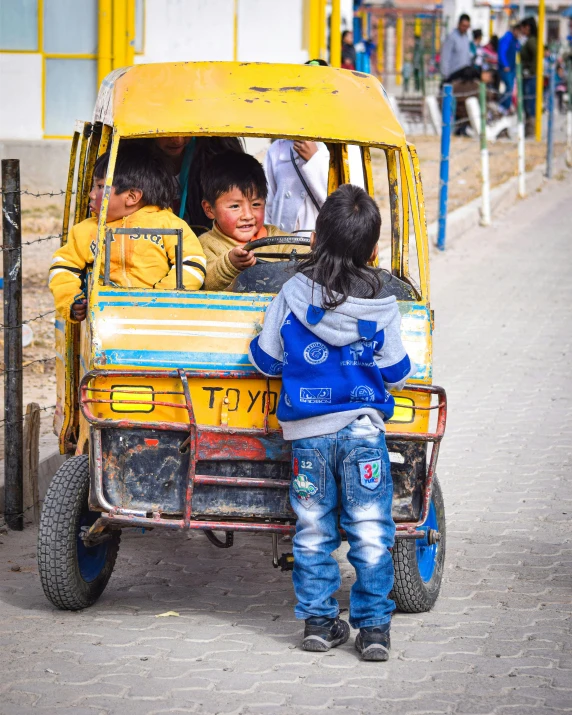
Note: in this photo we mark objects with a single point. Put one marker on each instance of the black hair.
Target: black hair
(230, 170)
(317, 61)
(347, 232)
(477, 34)
(205, 149)
(345, 32)
(139, 167)
(531, 23)
(464, 18)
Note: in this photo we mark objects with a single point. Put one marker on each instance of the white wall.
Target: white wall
(194, 30)
(271, 31)
(188, 30)
(21, 96)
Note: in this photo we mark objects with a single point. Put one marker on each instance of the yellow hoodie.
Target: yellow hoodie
(217, 245)
(146, 261)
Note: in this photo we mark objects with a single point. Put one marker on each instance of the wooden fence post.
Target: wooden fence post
(31, 461)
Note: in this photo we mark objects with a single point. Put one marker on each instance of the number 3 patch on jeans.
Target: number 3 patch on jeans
(370, 473)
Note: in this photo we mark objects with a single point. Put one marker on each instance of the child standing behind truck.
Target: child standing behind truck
(140, 198)
(336, 342)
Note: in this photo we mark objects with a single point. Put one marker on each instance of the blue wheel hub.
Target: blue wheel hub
(91, 559)
(425, 552)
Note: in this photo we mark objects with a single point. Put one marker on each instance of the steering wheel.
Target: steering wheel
(278, 241)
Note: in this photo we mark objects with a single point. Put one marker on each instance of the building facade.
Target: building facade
(54, 53)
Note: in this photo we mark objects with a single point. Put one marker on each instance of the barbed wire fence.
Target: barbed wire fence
(21, 428)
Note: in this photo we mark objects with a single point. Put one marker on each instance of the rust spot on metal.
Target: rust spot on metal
(292, 89)
(261, 89)
(336, 91)
(360, 74)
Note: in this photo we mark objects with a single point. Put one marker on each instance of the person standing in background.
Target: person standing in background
(509, 45)
(456, 54)
(491, 61)
(348, 50)
(528, 55)
(476, 48)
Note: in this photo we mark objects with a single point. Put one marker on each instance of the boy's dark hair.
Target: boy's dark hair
(347, 232)
(232, 169)
(464, 18)
(139, 167)
(477, 34)
(531, 23)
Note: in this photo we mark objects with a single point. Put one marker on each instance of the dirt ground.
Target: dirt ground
(42, 217)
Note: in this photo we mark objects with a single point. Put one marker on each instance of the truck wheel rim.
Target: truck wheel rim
(425, 552)
(91, 560)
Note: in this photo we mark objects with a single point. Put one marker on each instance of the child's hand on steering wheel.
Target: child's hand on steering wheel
(241, 259)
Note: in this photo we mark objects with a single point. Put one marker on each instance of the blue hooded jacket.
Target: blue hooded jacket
(336, 365)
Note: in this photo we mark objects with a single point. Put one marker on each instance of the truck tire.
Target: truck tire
(73, 576)
(418, 564)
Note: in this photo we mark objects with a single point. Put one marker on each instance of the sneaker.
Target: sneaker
(321, 634)
(373, 643)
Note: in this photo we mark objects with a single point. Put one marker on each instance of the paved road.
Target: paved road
(498, 640)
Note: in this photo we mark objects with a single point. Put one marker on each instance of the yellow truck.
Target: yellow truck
(166, 423)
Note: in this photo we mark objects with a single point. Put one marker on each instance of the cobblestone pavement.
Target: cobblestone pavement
(498, 640)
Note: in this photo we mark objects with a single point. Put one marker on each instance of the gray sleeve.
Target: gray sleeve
(446, 56)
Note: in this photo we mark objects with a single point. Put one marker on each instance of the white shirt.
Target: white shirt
(288, 205)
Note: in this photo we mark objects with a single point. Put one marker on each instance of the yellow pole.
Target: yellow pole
(363, 16)
(380, 47)
(491, 23)
(104, 58)
(313, 47)
(322, 38)
(437, 35)
(336, 34)
(130, 44)
(399, 50)
(235, 32)
(417, 27)
(540, 70)
(119, 33)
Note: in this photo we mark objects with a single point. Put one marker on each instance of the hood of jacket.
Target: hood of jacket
(137, 218)
(356, 318)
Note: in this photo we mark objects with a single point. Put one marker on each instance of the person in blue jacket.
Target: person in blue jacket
(333, 333)
(509, 45)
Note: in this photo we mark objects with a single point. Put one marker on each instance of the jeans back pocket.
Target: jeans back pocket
(366, 474)
(308, 484)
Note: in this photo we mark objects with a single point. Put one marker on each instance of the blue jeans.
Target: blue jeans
(508, 79)
(352, 464)
(529, 92)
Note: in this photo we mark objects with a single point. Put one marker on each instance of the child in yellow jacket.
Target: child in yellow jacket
(234, 190)
(140, 198)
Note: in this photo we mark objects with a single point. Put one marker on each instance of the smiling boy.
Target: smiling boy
(234, 197)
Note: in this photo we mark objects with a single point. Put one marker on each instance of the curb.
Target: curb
(503, 196)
